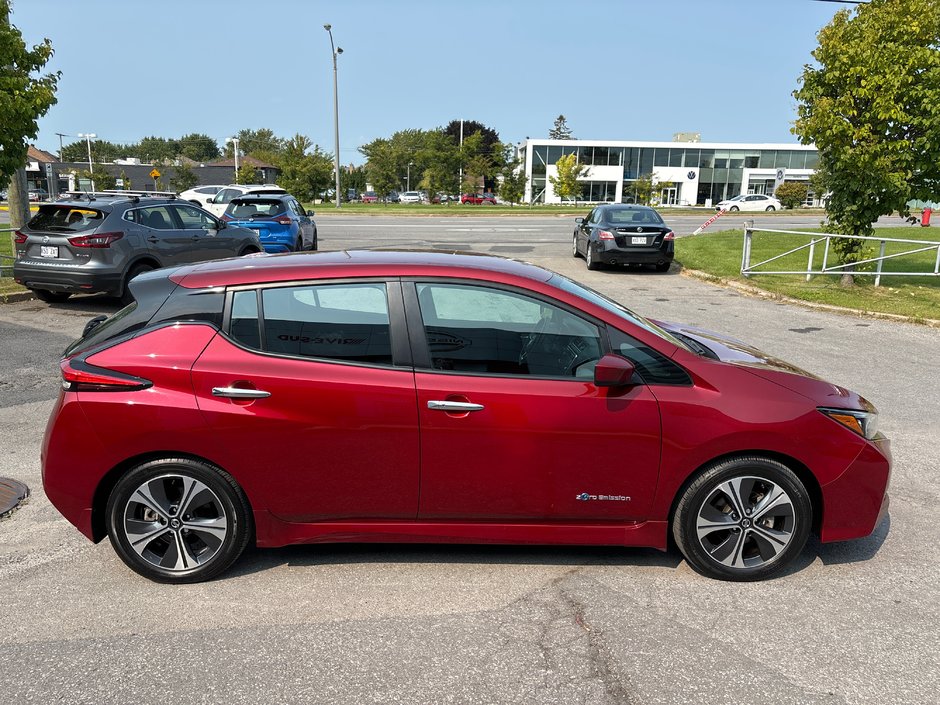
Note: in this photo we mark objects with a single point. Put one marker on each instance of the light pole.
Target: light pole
(89, 136)
(408, 176)
(336, 52)
(234, 141)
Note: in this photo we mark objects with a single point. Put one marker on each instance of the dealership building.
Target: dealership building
(689, 172)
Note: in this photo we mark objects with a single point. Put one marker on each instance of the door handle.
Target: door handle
(458, 406)
(239, 393)
(152, 238)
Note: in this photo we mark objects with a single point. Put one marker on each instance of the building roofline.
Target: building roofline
(686, 145)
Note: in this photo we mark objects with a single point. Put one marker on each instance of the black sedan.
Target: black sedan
(623, 234)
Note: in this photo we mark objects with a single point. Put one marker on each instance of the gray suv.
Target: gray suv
(99, 242)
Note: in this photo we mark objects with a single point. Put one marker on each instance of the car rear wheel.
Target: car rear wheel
(770, 208)
(51, 297)
(743, 519)
(126, 297)
(178, 520)
(590, 259)
(299, 245)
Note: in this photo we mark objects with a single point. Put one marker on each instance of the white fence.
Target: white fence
(749, 268)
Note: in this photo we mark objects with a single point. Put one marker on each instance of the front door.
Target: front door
(307, 400)
(513, 427)
(207, 239)
(166, 239)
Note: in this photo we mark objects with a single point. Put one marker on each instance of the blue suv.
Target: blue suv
(280, 221)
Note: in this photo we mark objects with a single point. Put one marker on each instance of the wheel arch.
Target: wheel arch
(803, 473)
(110, 479)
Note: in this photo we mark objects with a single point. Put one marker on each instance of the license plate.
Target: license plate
(48, 251)
(637, 240)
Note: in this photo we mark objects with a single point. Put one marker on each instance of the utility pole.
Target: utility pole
(61, 135)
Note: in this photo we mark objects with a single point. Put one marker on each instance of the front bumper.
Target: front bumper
(856, 502)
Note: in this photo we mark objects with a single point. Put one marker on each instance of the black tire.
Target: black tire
(315, 244)
(770, 208)
(188, 543)
(663, 267)
(574, 246)
(734, 209)
(299, 245)
(589, 258)
(51, 297)
(249, 251)
(126, 297)
(724, 530)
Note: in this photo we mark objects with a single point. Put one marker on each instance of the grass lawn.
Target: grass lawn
(719, 254)
(7, 285)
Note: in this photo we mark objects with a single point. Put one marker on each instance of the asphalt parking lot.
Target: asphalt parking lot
(850, 623)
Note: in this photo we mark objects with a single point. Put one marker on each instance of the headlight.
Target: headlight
(864, 423)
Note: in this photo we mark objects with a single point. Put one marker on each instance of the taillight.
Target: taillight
(226, 217)
(282, 220)
(79, 376)
(98, 241)
(19, 237)
(605, 235)
(669, 236)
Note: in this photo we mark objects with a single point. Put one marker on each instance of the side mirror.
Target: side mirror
(220, 225)
(311, 213)
(579, 220)
(92, 324)
(613, 371)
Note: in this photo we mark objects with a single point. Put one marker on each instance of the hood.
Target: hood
(773, 369)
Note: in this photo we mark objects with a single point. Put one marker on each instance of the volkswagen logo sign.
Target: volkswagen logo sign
(691, 175)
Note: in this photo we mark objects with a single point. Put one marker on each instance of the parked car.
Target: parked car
(393, 197)
(37, 194)
(201, 195)
(99, 243)
(220, 201)
(3, 195)
(427, 396)
(623, 234)
(411, 197)
(369, 197)
(282, 223)
(750, 202)
(486, 199)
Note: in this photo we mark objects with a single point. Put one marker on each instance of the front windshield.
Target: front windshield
(617, 309)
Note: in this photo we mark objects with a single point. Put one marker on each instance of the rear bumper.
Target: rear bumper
(614, 254)
(65, 279)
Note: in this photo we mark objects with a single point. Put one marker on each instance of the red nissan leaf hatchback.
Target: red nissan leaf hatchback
(433, 397)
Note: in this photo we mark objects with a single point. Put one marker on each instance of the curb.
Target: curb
(16, 297)
(829, 308)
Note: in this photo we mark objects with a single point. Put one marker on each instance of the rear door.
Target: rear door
(311, 402)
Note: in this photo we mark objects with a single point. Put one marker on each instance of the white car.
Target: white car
(411, 197)
(201, 195)
(750, 202)
(218, 203)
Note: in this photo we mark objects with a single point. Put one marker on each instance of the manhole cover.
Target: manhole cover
(12, 493)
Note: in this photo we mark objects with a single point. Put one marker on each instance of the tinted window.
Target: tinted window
(242, 208)
(195, 219)
(654, 367)
(475, 329)
(639, 215)
(158, 218)
(226, 195)
(66, 219)
(347, 322)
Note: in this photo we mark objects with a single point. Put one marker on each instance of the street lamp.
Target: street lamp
(89, 136)
(336, 52)
(234, 141)
(408, 176)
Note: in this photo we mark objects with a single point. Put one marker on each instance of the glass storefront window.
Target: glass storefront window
(783, 159)
(812, 160)
(767, 158)
(586, 155)
(707, 159)
(675, 156)
(615, 156)
(553, 154)
(646, 161)
(661, 157)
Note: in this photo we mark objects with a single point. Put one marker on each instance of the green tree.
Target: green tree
(513, 181)
(382, 166)
(157, 150)
(198, 147)
(646, 189)
(304, 173)
(261, 144)
(102, 151)
(246, 174)
(102, 178)
(870, 106)
(566, 183)
(560, 130)
(24, 98)
(125, 179)
(792, 194)
(440, 163)
(183, 178)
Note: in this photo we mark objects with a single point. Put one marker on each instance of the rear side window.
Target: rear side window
(66, 219)
(343, 322)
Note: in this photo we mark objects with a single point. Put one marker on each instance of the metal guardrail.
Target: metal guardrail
(748, 268)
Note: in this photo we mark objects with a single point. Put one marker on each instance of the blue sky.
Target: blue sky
(628, 69)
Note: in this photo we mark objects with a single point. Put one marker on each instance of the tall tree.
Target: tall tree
(183, 178)
(24, 98)
(490, 137)
(382, 166)
(261, 144)
(198, 147)
(158, 149)
(305, 169)
(560, 130)
(870, 106)
(513, 182)
(566, 183)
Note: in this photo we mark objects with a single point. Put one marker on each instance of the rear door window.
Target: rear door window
(66, 219)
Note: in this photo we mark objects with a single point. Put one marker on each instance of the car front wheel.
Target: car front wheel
(734, 209)
(574, 246)
(743, 519)
(770, 208)
(178, 520)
